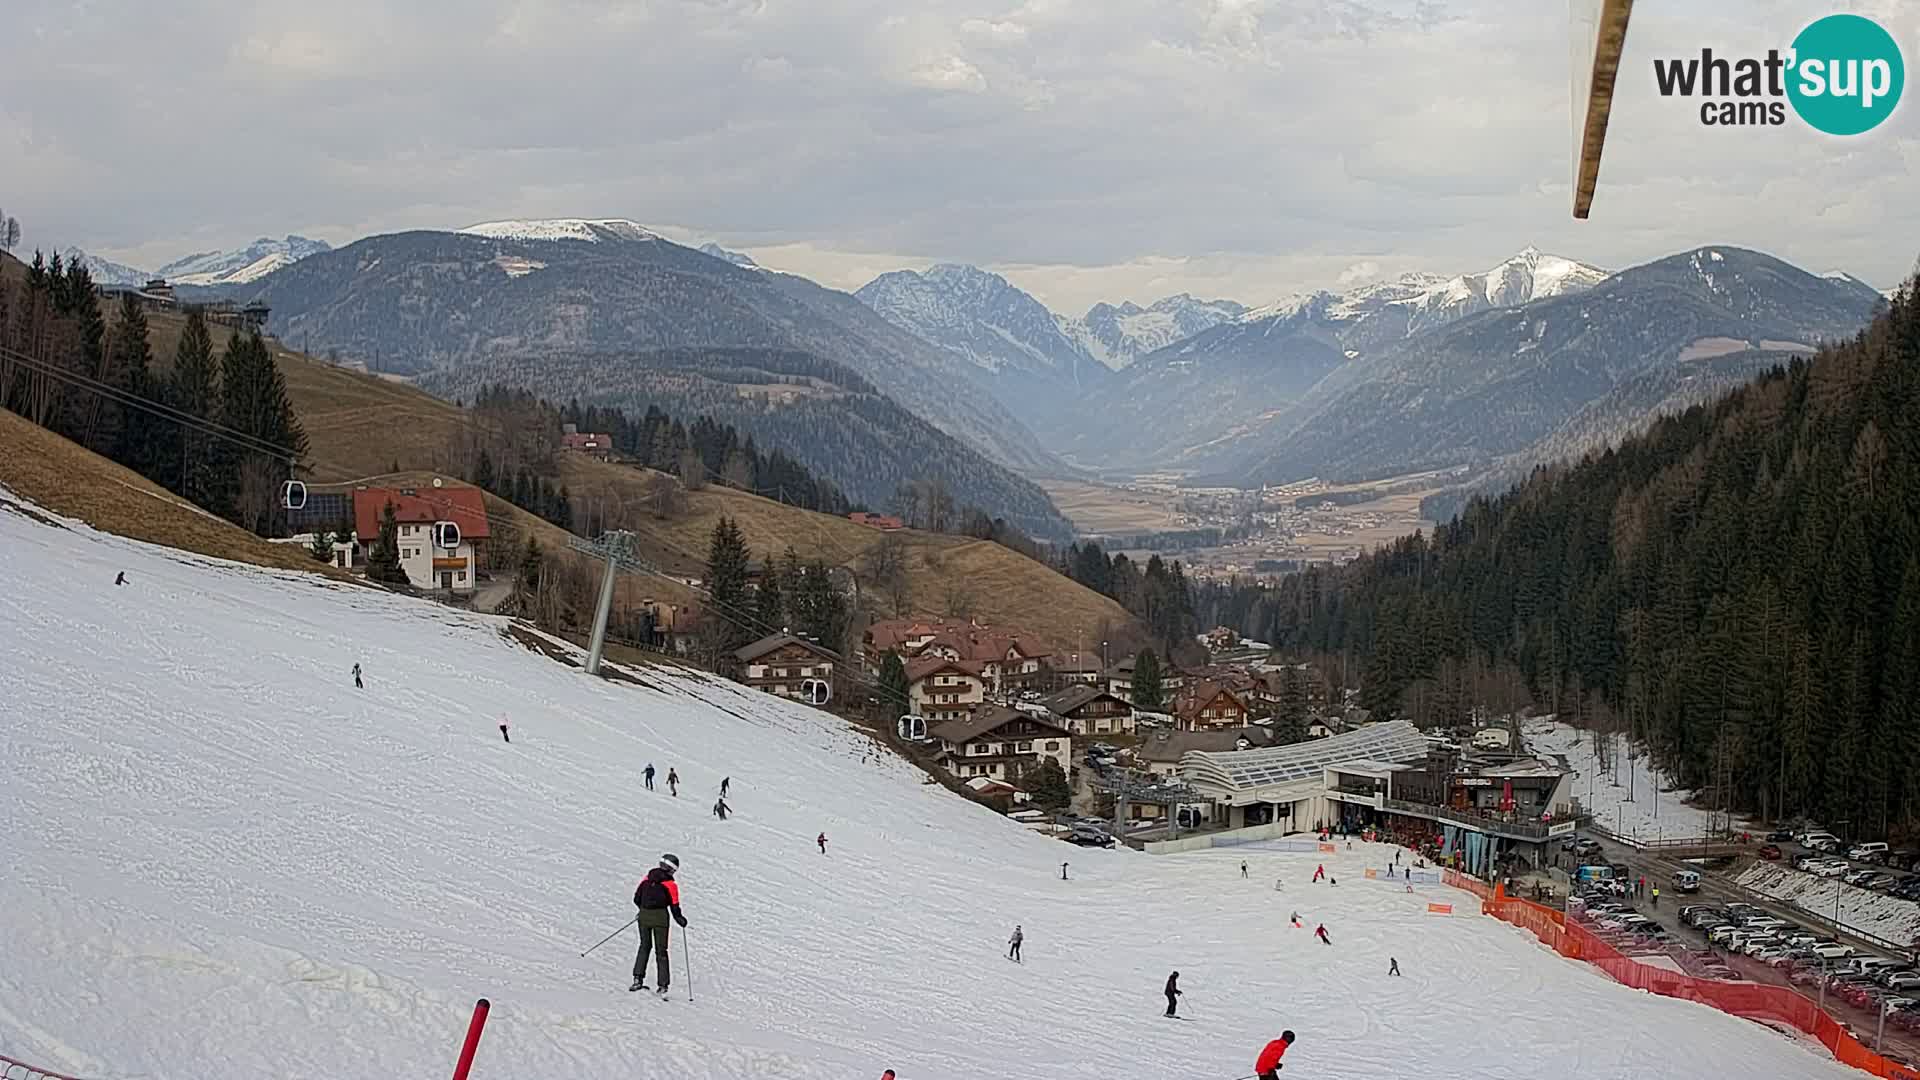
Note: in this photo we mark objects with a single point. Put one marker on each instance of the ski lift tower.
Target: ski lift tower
(1159, 791)
(616, 548)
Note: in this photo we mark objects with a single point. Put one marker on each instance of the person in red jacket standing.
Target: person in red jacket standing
(658, 898)
(1267, 1065)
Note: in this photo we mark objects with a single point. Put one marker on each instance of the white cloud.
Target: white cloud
(1091, 149)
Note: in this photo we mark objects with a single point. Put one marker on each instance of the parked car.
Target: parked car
(1859, 877)
(1829, 869)
(1817, 838)
(1780, 836)
(1090, 836)
(1587, 846)
(1760, 943)
(1769, 852)
(1900, 979)
(1867, 852)
(1776, 955)
(1832, 950)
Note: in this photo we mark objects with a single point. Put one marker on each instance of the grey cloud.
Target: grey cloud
(1252, 147)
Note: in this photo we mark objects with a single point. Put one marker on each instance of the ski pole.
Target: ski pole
(686, 958)
(615, 934)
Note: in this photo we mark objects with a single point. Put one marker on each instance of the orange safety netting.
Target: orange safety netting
(1753, 1001)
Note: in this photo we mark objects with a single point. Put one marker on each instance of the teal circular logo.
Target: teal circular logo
(1847, 74)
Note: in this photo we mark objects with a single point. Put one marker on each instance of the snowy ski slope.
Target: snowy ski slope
(222, 860)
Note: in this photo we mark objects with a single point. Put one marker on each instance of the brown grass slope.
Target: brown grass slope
(359, 425)
(75, 482)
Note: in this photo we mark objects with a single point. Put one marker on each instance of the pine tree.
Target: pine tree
(1149, 690)
(1290, 722)
(483, 471)
(818, 608)
(1047, 784)
(727, 559)
(133, 433)
(770, 607)
(526, 578)
(195, 390)
(383, 560)
(255, 401)
(893, 684)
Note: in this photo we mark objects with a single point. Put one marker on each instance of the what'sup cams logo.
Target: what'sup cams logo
(1843, 76)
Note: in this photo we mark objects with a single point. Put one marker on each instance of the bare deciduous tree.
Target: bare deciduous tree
(886, 567)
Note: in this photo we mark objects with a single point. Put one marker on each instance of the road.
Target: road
(1718, 890)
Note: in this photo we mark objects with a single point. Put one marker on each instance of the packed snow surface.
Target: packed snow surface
(1606, 795)
(1886, 917)
(223, 860)
(590, 230)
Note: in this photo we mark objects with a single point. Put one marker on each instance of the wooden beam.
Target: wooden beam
(1611, 39)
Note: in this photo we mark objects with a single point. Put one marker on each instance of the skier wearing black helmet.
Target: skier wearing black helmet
(657, 897)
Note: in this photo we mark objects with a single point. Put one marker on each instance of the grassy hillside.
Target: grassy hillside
(360, 425)
(71, 480)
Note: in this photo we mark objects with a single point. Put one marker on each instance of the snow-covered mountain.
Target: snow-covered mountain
(199, 884)
(737, 258)
(1035, 367)
(591, 230)
(241, 265)
(1118, 335)
(107, 272)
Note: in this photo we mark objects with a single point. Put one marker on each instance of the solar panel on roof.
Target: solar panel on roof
(1397, 741)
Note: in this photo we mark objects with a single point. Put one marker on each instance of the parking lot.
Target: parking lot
(1729, 936)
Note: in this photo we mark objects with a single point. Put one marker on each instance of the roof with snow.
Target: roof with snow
(1398, 741)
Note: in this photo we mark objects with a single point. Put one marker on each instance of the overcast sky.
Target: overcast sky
(1089, 149)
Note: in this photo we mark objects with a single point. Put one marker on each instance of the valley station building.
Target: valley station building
(1390, 776)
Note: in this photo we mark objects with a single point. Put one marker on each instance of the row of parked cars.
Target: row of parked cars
(1895, 885)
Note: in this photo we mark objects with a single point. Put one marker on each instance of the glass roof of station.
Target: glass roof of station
(1397, 741)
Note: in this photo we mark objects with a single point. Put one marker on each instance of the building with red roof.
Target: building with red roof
(427, 518)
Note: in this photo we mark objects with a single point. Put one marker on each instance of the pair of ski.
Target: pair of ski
(658, 995)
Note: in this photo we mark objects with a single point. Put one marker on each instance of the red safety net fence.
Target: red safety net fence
(1752, 1001)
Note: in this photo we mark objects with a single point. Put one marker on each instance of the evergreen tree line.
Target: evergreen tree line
(52, 320)
(518, 433)
(792, 596)
(1738, 589)
(1158, 593)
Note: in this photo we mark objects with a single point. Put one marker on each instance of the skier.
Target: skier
(822, 841)
(1319, 872)
(1243, 868)
(1267, 1065)
(1409, 875)
(1295, 919)
(1173, 992)
(1321, 933)
(503, 729)
(725, 782)
(1063, 871)
(720, 809)
(120, 578)
(1393, 966)
(673, 783)
(657, 897)
(1013, 944)
(649, 775)
(357, 684)
(888, 1075)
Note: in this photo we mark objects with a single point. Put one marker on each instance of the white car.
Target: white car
(1758, 944)
(1832, 950)
(1906, 980)
(1871, 850)
(1830, 869)
(1858, 877)
(1773, 954)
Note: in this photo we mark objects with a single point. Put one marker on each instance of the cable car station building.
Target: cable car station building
(1390, 776)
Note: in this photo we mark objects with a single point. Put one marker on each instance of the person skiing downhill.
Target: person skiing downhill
(1321, 933)
(1267, 1065)
(673, 783)
(357, 684)
(725, 782)
(649, 775)
(1319, 872)
(1393, 966)
(1013, 944)
(657, 897)
(121, 579)
(822, 841)
(1173, 992)
(503, 729)
(1243, 868)
(720, 809)
(1295, 919)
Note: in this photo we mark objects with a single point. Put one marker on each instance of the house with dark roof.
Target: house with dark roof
(1209, 705)
(942, 690)
(786, 666)
(427, 518)
(1001, 744)
(1090, 710)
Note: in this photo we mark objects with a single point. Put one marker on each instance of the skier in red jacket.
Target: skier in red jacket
(1267, 1065)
